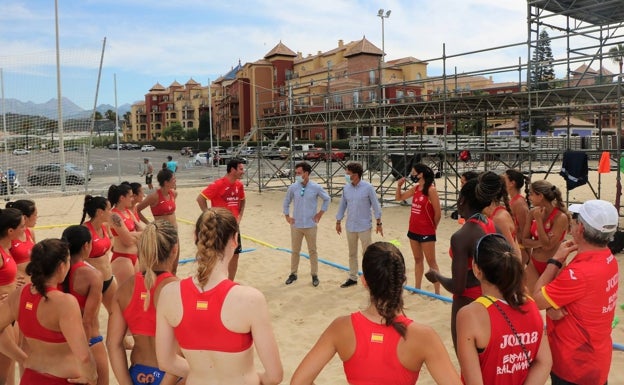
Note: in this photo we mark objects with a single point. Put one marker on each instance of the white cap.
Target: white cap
(599, 214)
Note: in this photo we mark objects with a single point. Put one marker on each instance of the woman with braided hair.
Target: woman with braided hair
(546, 228)
(215, 321)
(514, 182)
(364, 339)
(474, 197)
(500, 334)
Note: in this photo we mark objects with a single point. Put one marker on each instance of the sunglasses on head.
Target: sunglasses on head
(575, 216)
(476, 254)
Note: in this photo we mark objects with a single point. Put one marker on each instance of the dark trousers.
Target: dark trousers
(555, 380)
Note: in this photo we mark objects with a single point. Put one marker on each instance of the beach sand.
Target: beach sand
(300, 312)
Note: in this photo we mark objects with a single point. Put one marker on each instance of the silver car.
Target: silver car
(50, 173)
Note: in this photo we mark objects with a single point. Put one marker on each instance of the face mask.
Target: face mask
(414, 178)
(298, 179)
(348, 178)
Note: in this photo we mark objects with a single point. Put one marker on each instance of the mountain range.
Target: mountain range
(49, 109)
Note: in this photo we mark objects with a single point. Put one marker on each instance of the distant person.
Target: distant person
(424, 219)
(227, 192)
(359, 201)
(380, 345)
(580, 298)
(123, 225)
(148, 172)
(215, 322)
(172, 164)
(500, 336)
(304, 195)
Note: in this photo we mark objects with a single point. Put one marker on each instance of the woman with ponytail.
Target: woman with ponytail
(84, 282)
(125, 231)
(500, 334)
(546, 228)
(134, 308)
(514, 182)
(22, 245)
(50, 320)
(12, 225)
(424, 219)
(364, 339)
(212, 318)
(98, 210)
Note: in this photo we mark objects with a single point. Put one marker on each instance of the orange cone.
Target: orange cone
(604, 166)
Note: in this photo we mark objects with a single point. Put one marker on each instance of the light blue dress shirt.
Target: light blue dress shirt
(305, 203)
(358, 201)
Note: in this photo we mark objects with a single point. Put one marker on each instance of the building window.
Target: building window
(356, 98)
(371, 77)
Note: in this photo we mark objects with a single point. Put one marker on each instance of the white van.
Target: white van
(299, 150)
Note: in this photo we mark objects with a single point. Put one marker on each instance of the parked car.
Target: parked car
(336, 155)
(50, 173)
(20, 151)
(201, 159)
(148, 147)
(112, 146)
(314, 154)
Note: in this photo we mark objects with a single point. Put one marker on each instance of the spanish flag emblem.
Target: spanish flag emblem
(377, 338)
(201, 305)
(28, 306)
(143, 295)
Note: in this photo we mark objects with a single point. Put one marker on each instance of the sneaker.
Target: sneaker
(315, 281)
(349, 282)
(291, 278)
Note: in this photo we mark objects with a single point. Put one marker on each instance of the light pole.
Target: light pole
(383, 16)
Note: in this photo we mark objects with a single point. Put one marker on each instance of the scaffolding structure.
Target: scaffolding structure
(582, 33)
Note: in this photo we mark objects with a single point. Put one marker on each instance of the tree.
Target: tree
(174, 131)
(204, 125)
(617, 55)
(542, 69)
(190, 134)
(542, 77)
(97, 115)
(110, 115)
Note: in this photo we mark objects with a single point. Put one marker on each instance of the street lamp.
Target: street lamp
(382, 16)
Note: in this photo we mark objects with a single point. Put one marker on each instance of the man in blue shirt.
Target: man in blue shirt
(358, 200)
(172, 164)
(304, 194)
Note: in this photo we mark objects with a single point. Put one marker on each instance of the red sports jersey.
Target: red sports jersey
(504, 362)
(222, 193)
(375, 358)
(422, 216)
(581, 341)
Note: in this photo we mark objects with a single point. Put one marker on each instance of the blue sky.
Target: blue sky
(149, 41)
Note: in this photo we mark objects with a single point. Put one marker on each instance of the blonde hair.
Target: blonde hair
(155, 246)
(213, 229)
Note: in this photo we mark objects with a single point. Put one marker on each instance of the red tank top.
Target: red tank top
(99, 246)
(82, 299)
(422, 215)
(164, 206)
(8, 271)
(128, 220)
(202, 311)
(548, 225)
(504, 362)
(20, 250)
(143, 322)
(375, 358)
(27, 317)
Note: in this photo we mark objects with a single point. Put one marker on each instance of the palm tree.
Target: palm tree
(617, 55)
